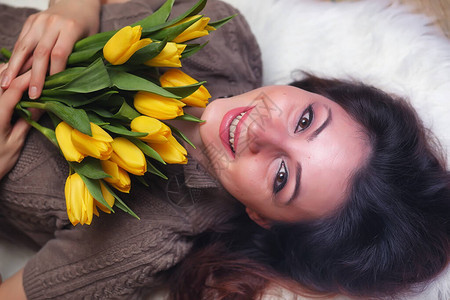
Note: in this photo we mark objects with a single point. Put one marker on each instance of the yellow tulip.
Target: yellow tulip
(128, 156)
(122, 45)
(198, 29)
(79, 202)
(168, 57)
(176, 77)
(171, 152)
(157, 130)
(119, 177)
(98, 145)
(158, 107)
(109, 198)
(63, 134)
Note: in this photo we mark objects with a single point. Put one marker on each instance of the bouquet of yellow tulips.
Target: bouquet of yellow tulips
(110, 104)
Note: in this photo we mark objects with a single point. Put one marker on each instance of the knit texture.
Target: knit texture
(118, 256)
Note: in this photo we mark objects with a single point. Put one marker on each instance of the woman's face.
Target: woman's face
(285, 153)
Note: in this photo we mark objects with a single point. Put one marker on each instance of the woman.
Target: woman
(322, 174)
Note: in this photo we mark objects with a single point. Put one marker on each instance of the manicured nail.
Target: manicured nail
(5, 81)
(33, 92)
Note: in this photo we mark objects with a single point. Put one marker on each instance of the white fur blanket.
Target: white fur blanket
(378, 42)
(375, 41)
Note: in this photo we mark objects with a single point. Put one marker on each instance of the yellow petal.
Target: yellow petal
(196, 30)
(124, 44)
(119, 178)
(79, 201)
(98, 145)
(176, 77)
(158, 107)
(168, 57)
(157, 130)
(109, 198)
(171, 152)
(63, 134)
(128, 156)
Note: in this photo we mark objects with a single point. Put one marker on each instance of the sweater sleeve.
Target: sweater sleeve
(116, 257)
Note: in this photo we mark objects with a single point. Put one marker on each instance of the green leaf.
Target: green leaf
(147, 150)
(188, 117)
(147, 53)
(181, 135)
(73, 100)
(93, 186)
(129, 82)
(89, 167)
(158, 17)
(102, 112)
(96, 41)
(94, 78)
(141, 179)
(120, 204)
(170, 33)
(152, 169)
(122, 130)
(85, 55)
(95, 118)
(77, 118)
(126, 112)
(62, 77)
(220, 23)
(194, 10)
(186, 90)
(192, 49)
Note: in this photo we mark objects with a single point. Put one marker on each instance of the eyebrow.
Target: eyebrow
(298, 175)
(298, 168)
(321, 127)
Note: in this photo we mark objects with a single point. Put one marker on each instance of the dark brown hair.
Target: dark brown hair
(393, 230)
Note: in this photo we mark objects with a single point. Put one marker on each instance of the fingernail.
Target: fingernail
(33, 92)
(5, 81)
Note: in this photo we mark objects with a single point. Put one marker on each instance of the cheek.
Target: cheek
(242, 182)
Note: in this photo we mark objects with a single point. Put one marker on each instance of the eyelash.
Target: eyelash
(310, 113)
(282, 173)
(280, 182)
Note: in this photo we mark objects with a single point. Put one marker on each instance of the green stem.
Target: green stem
(47, 132)
(33, 104)
(6, 53)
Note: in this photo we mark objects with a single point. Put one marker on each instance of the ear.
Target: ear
(258, 219)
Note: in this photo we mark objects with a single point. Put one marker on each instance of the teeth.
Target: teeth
(233, 129)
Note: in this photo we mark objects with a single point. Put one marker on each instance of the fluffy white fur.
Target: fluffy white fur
(377, 42)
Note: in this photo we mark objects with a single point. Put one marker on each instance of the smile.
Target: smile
(230, 128)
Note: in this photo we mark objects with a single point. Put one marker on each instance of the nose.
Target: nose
(263, 135)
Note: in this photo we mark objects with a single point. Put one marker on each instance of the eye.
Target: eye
(305, 119)
(280, 178)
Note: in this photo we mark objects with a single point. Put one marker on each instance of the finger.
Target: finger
(41, 57)
(21, 53)
(62, 49)
(27, 65)
(27, 26)
(10, 98)
(18, 133)
(21, 127)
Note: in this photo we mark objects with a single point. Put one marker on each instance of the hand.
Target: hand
(12, 136)
(48, 37)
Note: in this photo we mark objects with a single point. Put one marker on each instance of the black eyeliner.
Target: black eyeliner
(307, 110)
(276, 189)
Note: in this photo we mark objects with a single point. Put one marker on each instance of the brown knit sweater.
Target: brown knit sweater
(119, 256)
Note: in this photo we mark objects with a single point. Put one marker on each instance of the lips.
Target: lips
(230, 128)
